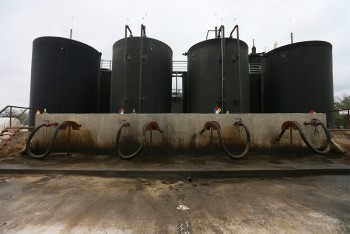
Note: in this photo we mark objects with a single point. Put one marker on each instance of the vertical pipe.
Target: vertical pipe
(222, 65)
(143, 30)
(10, 116)
(140, 79)
(239, 67)
(291, 37)
(125, 61)
(239, 72)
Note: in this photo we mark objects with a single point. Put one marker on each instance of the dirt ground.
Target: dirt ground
(342, 139)
(83, 204)
(15, 146)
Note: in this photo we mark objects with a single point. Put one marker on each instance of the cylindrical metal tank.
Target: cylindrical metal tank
(204, 77)
(298, 78)
(64, 76)
(104, 90)
(8, 122)
(141, 76)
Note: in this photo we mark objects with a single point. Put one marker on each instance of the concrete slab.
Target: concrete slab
(180, 166)
(87, 204)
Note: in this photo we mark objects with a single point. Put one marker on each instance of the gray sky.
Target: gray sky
(178, 23)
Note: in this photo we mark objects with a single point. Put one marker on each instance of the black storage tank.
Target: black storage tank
(141, 76)
(298, 78)
(64, 76)
(104, 89)
(204, 77)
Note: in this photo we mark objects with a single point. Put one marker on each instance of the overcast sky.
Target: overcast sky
(178, 23)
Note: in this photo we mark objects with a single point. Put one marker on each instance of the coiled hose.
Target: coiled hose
(126, 124)
(240, 124)
(48, 150)
(315, 122)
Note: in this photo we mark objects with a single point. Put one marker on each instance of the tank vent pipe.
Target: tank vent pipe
(71, 30)
(253, 48)
(206, 38)
(143, 30)
(127, 29)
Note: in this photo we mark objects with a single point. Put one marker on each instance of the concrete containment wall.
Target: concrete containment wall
(181, 132)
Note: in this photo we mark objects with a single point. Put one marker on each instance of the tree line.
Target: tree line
(341, 103)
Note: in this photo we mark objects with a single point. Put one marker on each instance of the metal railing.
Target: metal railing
(342, 118)
(106, 64)
(255, 68)
(18, 112)
(179, 66)
(177, 79)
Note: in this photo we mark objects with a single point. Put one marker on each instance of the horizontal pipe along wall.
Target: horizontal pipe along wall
(181, 132)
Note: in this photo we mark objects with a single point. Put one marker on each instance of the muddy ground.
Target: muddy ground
(342, 139)
(83, 204)
(87, 204)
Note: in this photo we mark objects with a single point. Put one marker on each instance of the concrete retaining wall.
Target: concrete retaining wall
(181, 132)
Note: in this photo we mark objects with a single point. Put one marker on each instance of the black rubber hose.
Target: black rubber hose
(47, 152)
(302, 135)
(329, 139)
(280, 135)
(118, 142)
(247, 146)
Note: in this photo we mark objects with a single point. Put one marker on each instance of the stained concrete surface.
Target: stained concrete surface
(47, 196)
(180, 166)
(86, 204)
(180, 131)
